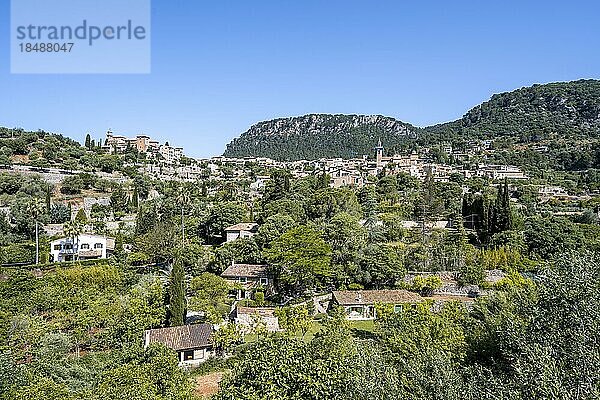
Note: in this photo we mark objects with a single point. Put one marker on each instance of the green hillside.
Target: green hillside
(535, 113)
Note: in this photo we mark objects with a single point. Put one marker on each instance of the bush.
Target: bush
(471, 274)
(355, 286)
(426, 284)
(17, 253)
(259, 298)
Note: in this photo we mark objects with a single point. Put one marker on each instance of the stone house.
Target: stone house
(360, 304)
(241, 230)
(191, 342)
(247, 278)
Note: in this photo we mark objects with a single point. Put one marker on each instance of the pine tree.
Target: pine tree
(177, 294)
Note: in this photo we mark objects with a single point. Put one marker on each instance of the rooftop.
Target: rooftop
(181, 337)
(262, 311)
(245, 270)
(243, 226)
(349, 297)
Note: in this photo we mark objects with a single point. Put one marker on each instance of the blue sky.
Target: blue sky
(220, 66)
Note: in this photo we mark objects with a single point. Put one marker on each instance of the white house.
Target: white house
(84, 247)
(241, 230)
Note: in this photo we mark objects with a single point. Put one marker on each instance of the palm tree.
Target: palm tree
(72, 230)
(35, 209)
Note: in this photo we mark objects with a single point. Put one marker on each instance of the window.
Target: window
(188, 355)
(68, 246)
(98, 246)
(264, 281)
(85, 246)
(243, 279)
(57, 247)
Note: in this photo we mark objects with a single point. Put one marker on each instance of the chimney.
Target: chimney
(359, 297)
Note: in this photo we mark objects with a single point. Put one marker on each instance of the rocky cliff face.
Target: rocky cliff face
(320, 135)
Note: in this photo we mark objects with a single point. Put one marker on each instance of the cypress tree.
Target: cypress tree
(506, 207)
(502, 212)
(88, 141)
(323, 181)
(119, 253)
(498, 213)
(48, 198)
(81, 217)
(135, 198)
(177, 294)
(487, 217)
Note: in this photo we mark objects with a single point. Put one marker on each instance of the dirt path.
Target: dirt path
(207, 385)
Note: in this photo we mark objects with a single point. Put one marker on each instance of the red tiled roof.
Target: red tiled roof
(245, 270)
(182, 337)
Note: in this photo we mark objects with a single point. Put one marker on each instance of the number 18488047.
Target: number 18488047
(46, 47)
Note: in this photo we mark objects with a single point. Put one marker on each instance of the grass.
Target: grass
(362, 329)
(367, 326)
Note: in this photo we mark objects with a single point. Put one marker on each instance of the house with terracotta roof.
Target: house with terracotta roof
(247, 278)
(193, 343)
(360, 304)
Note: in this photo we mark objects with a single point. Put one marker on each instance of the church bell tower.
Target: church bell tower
(379, 153)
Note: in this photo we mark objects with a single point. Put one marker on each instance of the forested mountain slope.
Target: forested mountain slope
(314, 136)
(554, 111)
(568, 109)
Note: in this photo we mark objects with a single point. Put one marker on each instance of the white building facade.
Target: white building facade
(83, 247)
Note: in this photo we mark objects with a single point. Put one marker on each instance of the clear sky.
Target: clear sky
(220, 66)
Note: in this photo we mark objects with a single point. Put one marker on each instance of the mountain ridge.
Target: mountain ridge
(530, 113)
(345, 135)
